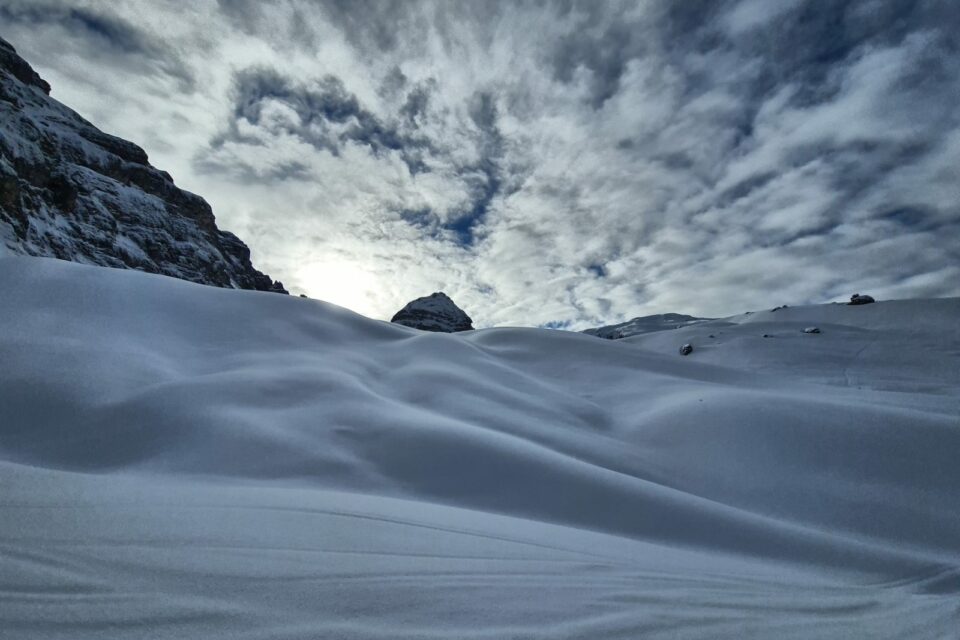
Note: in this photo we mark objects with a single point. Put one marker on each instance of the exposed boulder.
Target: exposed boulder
(686, 349)
(860, 299)
(436, 312)
(811, 330)
(71, 191)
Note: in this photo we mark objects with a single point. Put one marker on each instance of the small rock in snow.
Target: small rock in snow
(812, 330)
(686, 349)
(860, 299)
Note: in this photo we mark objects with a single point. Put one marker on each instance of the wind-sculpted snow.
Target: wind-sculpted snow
(181, 461)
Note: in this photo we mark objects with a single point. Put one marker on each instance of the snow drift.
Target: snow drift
(183, 461)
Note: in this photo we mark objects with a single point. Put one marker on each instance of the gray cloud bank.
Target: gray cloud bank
(548, 163)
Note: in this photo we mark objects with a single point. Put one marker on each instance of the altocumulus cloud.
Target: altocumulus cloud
(561, 164)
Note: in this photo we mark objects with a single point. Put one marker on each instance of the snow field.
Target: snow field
(184, 461)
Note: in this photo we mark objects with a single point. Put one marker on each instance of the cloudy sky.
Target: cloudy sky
(560, 164)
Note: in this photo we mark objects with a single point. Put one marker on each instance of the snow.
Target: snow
(181, 461)
(644, 324)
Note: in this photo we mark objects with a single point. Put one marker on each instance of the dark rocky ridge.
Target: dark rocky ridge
(21, 70)
(71, 191)
(436, 312)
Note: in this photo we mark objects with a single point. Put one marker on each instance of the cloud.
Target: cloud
(94, 33)
(559, 164)
(268, 105)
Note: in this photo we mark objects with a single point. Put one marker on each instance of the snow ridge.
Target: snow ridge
(644, 324)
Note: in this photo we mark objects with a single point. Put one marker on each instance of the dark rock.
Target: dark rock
(71, 191)
(812, 330)
(860, 299)
(19, 68)
(686, 349)
(436, 312)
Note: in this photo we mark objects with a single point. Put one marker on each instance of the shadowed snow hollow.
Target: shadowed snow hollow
(182, 461)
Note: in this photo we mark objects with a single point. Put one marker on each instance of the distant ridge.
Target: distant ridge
(644, 324)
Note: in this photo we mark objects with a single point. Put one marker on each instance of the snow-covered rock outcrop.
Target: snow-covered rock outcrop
(70, 191)
(436, 312)
(645, 324)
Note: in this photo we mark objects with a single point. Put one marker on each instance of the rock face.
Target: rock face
(70, 191)
(435, 312)
(645, 324)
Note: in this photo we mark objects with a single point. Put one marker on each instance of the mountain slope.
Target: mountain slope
(643, 324)
(70, 191)
(301, 471)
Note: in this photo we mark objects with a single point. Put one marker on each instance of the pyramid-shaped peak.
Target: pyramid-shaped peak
(436, 312)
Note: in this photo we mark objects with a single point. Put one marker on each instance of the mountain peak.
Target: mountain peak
(436, 312)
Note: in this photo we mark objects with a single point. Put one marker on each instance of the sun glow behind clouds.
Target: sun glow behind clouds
(543, 163)
(343, 283)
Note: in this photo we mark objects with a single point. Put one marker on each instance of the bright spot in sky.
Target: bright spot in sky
(343, 283)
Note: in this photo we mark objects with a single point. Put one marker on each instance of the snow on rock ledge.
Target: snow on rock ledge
(70, 191)
(436, 312)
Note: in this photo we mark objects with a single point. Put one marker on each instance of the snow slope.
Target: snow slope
(179, 461)
(643, 324)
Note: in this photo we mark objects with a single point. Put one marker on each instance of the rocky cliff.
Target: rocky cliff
(436, 312)
(70, 191)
